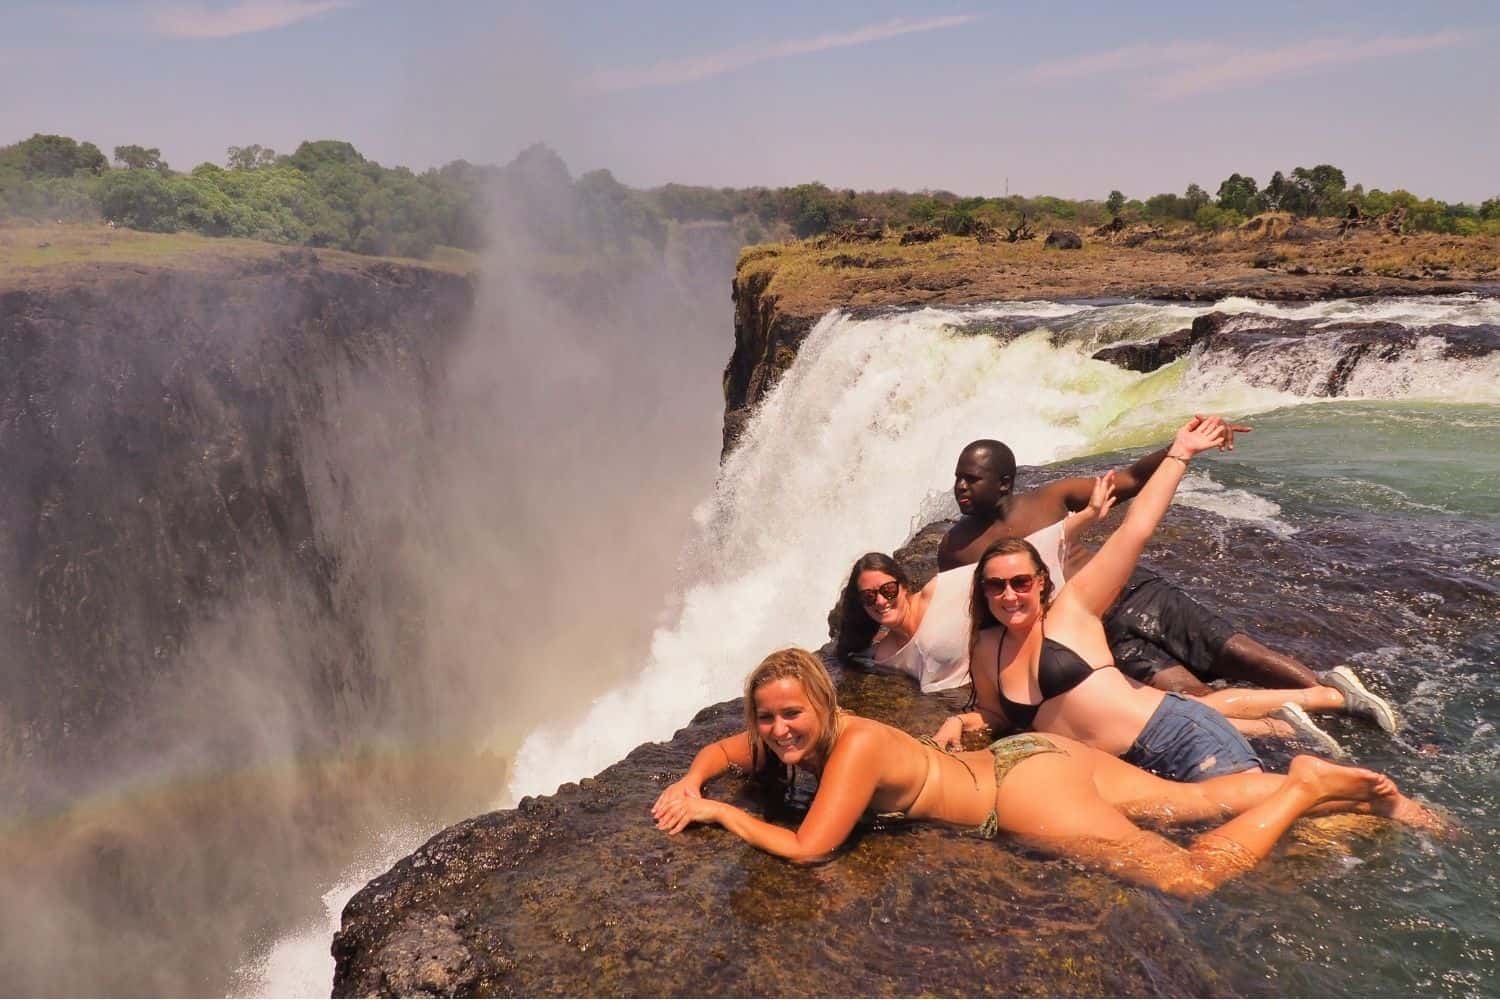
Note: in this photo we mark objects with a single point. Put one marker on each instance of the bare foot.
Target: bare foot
(1410, 812)
(1329, 781)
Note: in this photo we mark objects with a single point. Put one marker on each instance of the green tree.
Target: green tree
(1114, 203)
(1194, 198)
(1164, 207)
(250, 157)
(139, 199)
(141, 158)
(1238, 192)
(1216, 218)
(1316, 191)
(53, 156)
(323, 152)
(1276, 192)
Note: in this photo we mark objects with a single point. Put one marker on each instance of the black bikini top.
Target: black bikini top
(1058, 671)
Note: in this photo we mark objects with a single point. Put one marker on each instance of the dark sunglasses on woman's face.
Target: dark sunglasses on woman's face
(886, 590)
(994, 586)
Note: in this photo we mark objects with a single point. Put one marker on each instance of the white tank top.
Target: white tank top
(938, 655)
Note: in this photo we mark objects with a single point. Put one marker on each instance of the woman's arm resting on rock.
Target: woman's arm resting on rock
(710, 762)
(844, 791)
(950, 734)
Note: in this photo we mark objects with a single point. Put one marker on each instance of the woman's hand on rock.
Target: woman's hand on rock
(674, 817)
(679, 789)
(950, 735)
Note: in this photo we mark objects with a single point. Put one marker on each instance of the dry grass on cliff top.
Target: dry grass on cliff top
(33, 255)
(809, 277)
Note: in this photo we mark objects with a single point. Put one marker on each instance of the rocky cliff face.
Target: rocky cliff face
(161, 434)
(765, 343)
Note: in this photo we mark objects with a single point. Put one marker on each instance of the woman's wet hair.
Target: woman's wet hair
(856, 628)
(807, 670)
(980, 616)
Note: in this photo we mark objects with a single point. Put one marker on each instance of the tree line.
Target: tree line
(327, 194)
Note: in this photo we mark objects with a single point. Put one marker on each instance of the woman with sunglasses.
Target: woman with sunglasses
(1051, 792)
(924, 634)
(886, 625)
(1041, 660)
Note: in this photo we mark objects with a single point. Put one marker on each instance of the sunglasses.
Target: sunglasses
(886, 590)
(994, 586)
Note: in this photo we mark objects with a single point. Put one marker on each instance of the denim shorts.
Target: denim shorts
(1185, 740)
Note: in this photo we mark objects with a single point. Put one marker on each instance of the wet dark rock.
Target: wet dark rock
(1299, 355)
(427, 958)
(1149, 355)
(1064, 239)
(765, 343)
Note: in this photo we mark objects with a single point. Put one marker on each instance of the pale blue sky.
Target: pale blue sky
(1066, 98)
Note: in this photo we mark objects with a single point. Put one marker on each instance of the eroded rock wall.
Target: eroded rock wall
(157, 430)
(765, 344)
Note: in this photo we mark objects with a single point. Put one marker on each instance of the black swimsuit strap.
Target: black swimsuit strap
(1025, 714)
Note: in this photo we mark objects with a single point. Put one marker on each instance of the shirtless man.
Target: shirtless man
(1159, 635)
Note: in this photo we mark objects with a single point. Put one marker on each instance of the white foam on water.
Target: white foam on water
(1465, 309)
(1302, 368)
(1132, 321)
(1201, 491)
(299, 963)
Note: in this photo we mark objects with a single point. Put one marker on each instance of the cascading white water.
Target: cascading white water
(855, 448)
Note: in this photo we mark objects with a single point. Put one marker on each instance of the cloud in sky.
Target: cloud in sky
(685, 70)
(202, 20)
(1187, 68)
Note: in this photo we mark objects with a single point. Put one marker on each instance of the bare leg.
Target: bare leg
(1144, 797)
(1273, 729)
(1257, 703)
(1051, 800)
(1245, 659)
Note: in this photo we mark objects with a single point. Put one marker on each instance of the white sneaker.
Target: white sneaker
(1360, 700)
(1307, 731)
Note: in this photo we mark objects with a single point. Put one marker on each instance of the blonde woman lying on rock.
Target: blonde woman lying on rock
(1048, 791)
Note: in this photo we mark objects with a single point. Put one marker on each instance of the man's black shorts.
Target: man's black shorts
(1154, 625)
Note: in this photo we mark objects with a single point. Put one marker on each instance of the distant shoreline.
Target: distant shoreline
(805, 279)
